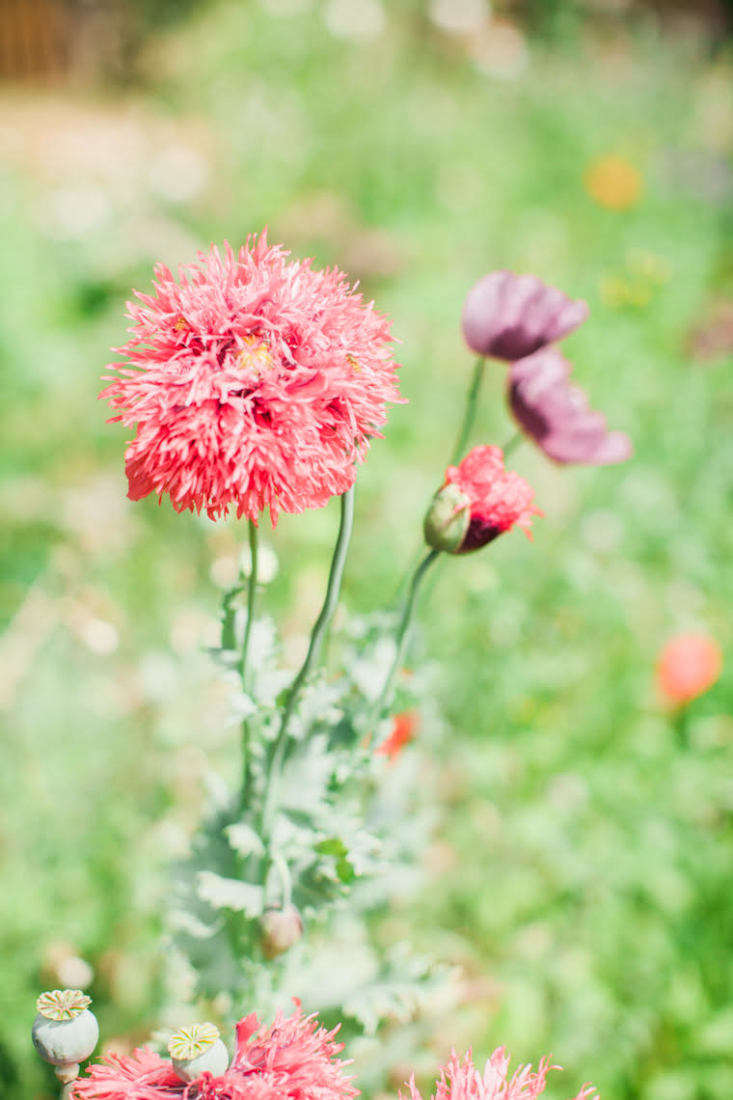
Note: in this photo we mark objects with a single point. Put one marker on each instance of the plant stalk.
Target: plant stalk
(403, 631)
(318, 636)
(469, 414)
(244, 660)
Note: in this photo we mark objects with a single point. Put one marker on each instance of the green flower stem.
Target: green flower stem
(512, 443)
(681, 725)
(464, 434)
(244, 659)
(403, 632)
(469, 414)
(228, 613)
(318, 636)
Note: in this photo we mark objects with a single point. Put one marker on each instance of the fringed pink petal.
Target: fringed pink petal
(253, 383)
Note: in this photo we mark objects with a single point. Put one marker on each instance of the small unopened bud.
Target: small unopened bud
(478, 501)
(198, 1049)
(65, 1032)
(447, 519)
(281, 928)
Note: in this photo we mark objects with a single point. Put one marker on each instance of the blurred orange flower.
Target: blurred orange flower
(403, 731)
(688, 665)
(613, 182)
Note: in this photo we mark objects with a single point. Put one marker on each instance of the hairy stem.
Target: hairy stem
(318, 636)
(244, 659)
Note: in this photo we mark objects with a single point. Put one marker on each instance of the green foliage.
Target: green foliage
(580, 874)
(334, 837)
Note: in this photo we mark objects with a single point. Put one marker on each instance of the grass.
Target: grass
(580, 871)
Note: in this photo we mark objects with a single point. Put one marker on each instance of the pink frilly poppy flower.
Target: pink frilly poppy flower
(461, 1080)
(556, 414)
(478, 501)
(292, 1059)
(253, 382)
(508, 316)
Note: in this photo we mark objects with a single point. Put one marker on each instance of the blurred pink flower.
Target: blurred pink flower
(292, 1059)
(403, 731)
(688, 665)
(460, 1080)
(557, 416)
(254, 382)
(479, 501)
(508, 316)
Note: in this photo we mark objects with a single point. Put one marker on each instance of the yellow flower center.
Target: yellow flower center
(192, 1041)
(255, 356)
(62, 1004)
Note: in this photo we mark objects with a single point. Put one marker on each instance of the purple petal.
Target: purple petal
(556, 414)
(508, 316)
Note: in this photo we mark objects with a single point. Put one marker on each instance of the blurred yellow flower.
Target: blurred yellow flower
(613, 182)
(636, 285)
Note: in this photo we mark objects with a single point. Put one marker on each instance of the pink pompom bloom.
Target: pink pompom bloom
(479, 501)
(688, 665)
(508, 316)
(460, 1080)
(292, 1059)
(556, 414)
(254, 382)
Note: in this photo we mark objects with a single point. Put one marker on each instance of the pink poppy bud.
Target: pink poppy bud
(479, 501)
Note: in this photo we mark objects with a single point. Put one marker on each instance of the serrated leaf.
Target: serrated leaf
(230, 893)
(180, 921)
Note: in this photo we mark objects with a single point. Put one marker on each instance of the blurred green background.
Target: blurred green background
(580, 874)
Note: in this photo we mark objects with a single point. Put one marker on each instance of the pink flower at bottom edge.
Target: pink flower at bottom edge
(294, 1058)
(461, 1080)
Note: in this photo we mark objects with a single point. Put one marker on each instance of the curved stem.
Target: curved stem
(403, 632)
(244, 659)
(469, 414)
(318, 636)
(464, 434)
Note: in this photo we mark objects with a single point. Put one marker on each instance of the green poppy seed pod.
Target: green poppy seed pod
(198, 1049)
(65, 1032)
(447, 519)
(281, 928)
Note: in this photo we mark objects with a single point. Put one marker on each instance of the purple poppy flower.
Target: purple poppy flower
(508, 316)
(556, 414)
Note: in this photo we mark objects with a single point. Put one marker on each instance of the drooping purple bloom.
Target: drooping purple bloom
(508, 316)
(556, 414)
